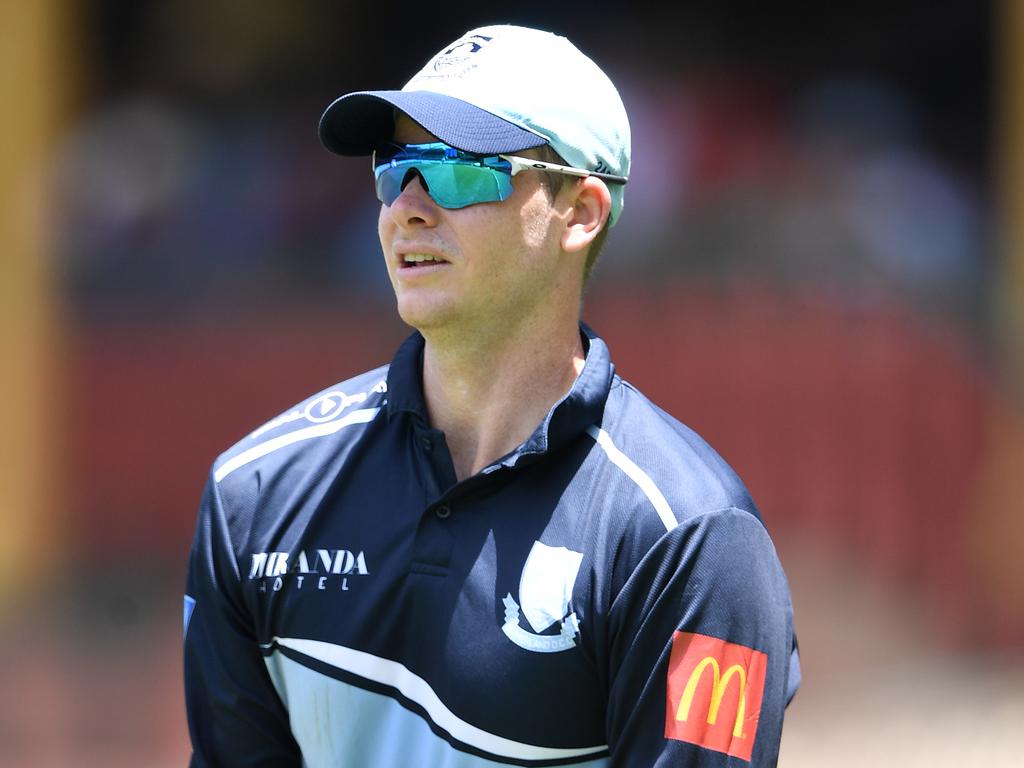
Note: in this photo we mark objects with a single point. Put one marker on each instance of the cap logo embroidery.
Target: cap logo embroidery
(459, 54)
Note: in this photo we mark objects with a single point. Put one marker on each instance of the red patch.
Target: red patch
(714, 693)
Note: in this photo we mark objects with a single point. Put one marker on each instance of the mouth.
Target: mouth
(420, 261)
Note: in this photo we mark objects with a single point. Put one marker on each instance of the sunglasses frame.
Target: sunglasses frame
(459, 157)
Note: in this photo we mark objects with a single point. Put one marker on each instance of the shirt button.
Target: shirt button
(427, 443)
(443, 512)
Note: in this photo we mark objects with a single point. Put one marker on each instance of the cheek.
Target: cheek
(539, 226)
(537, 233)
(387, 233)
(383, 225)
(522, 222)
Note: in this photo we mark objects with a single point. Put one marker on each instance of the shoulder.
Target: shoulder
(284, 467)
(316, 424)
(666, 500)
(678, 473)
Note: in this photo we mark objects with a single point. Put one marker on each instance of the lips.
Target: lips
(421, 259)
(412, 258)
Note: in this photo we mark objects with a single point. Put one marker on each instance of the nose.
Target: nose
(413, 206)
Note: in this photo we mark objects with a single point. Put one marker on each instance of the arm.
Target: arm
(235, 716)
(701, 649)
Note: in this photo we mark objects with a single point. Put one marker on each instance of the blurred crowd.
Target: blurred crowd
(202, 188)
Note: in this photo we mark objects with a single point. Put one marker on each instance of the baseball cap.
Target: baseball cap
(499, 89)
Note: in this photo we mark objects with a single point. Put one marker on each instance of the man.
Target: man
(493, 551)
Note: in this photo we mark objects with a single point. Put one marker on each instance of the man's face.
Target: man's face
(491, 266)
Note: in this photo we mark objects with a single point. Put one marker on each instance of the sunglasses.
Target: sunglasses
(455, 179)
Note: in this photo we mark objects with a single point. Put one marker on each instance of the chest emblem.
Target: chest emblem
(545, 589)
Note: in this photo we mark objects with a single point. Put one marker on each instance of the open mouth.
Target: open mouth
(419, 260)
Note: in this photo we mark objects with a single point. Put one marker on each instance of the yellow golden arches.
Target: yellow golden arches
(719, 685)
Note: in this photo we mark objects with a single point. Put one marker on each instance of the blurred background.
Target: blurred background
(820, 268)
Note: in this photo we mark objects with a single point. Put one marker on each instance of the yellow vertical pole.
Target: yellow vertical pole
(997, 526)
(32, 56)
(1010, 180)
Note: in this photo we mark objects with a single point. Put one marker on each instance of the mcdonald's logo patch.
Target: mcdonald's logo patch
(714, 693)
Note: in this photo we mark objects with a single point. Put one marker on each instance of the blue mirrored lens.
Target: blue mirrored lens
(453, 179)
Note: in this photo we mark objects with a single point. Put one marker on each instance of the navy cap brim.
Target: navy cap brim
(357, 123)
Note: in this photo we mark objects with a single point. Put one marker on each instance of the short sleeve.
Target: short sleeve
(235, 716)
(702, 653)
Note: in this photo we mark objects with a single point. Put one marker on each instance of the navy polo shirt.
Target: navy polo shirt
(605, 594)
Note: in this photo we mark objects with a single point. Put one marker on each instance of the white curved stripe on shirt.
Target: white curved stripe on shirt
(637, 475)
(416, 689)
(317, 430)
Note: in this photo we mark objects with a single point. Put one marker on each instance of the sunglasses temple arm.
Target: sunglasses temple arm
(523, 163)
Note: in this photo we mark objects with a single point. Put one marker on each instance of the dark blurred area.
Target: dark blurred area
(853, 150)
(814, 270)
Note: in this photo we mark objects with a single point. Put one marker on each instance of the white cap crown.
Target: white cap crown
(542, 83)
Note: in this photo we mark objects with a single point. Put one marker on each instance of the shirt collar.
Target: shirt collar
(581, 407)
(405, 379)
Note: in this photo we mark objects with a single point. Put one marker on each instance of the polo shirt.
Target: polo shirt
(606, 594)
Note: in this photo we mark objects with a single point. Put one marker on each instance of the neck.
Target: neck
(488, 393)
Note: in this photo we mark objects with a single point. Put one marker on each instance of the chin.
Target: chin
(425, 315)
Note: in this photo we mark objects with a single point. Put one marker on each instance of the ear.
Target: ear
(591, 205)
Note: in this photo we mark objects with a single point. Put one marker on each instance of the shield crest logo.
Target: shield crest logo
(545, 589)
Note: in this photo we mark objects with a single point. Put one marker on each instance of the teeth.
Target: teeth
(418, 257)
